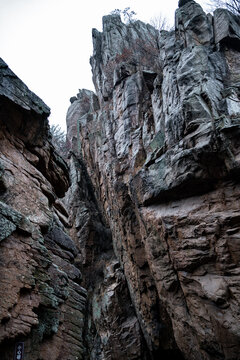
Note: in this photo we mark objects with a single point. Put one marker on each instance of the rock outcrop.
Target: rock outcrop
(160, 144)
(42, 303)
(131, 249)
(112, 330)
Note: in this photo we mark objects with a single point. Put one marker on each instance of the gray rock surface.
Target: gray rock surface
(15, 90)
(140, 260)
(112, 330)
(162, 152)
(183, 2)
(226, 27)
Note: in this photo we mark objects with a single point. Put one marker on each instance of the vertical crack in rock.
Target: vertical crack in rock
(130, 249)
(159, 141)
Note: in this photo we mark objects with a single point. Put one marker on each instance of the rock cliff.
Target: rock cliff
(42, 303)
(159, 141)
(128, 249)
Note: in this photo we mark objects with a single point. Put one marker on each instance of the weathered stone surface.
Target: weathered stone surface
(112, 330)
(183, 2)
(11, 220)
(15, 90)
(193, 26)
(84, 103)
(118, 50)
(41, 300)
(150, 224)
(226, 27)
(163, 155)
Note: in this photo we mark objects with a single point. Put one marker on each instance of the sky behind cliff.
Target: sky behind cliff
(47, 43)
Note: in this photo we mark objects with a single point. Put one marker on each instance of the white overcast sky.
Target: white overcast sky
(47, 43)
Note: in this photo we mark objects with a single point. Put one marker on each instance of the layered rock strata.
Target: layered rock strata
(42, 303)
(160, 144)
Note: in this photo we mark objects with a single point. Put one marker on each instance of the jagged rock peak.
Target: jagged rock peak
(83, 104)
(119, 43)
(164, 157)
(183, 2)
(112, 20)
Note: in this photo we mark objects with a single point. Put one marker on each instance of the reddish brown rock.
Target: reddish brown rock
(112, 330)
(163, 155)
(41, 300)
(150, 224)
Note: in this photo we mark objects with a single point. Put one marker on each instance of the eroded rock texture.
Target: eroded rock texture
(112, 329)
(41, 300)
(160, 141)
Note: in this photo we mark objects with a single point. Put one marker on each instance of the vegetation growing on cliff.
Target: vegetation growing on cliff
(59, 140)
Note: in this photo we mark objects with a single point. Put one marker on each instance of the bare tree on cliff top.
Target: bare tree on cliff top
(160, 22)
(127, 14)
(231, 5)
(59, 140)
(144, 52)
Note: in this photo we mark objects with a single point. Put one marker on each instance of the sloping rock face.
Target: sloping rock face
(42, 303)
(160, 144)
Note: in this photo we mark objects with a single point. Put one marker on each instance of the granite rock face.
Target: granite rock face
(161, 148)
(41, 300)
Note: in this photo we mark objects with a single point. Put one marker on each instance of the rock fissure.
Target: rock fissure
(140, 257)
